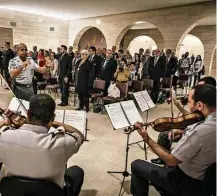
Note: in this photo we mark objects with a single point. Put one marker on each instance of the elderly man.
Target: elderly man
(21, 69)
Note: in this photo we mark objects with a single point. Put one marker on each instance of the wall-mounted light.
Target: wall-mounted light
(98, 21)
(139, 22)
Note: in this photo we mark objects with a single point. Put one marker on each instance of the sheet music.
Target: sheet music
(141, 101)
(117, 115)
(148, 99)
(17, 107)
(131, 112)
(76, 119)
(59, 116)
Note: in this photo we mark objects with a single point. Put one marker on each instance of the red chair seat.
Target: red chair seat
(112, 99)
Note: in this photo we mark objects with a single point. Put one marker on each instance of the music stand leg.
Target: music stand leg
(124, 173)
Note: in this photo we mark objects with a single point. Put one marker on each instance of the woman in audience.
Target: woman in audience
(82, 74)
(128, 57)
(139, 65)
(53, 68)
(197, 69)
(122, 74)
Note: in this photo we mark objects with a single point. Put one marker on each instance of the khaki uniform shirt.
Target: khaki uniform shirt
(197, 148)
(33, 151)
(122, 76)
(26, 75)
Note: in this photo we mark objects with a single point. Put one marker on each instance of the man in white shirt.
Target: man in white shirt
(36, 151)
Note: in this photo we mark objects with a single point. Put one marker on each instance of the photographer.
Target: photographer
(163, 138)
(122, 74)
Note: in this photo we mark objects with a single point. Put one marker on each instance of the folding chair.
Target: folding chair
(148, 84)
(183, 83)
(136, 86)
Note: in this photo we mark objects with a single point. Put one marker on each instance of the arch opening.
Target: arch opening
(193, 45)
(143, 41)
(89, 36)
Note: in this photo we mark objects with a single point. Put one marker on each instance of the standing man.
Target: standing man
(21, 71)
(114, 53)
(157, 70)
(58, 53)
(141, 53)
(35, 54)
(64, 75)
(145, 63)
(104, 50)
(7, 56)
(95, 61)
(71, 53)
(108, 68)
(171, 64)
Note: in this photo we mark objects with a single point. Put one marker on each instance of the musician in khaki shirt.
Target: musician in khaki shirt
(189, 160)
(36, 151)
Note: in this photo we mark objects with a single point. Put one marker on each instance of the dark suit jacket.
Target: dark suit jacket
(82, 75)
(159, 70)
(65, 66)
(107, 73)
(95, 71)
(7, 56)
(171, 67)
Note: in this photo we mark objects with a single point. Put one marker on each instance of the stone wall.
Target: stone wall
(35, 30)
(207, 34)
(6, 35)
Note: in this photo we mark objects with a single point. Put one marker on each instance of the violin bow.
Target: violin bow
(20, 102)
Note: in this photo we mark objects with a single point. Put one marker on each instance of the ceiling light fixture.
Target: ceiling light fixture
(139, 22)
(98, 21)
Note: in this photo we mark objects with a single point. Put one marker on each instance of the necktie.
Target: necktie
(155, 60)
(105, 64)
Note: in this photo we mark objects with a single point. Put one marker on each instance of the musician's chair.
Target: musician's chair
(19, 186)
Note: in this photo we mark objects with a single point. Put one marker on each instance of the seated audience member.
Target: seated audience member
(122, 74)
(38, 152)
(163, 138)
(190, 158)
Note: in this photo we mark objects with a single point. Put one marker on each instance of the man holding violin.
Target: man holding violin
(191, 157)
(164, 138)
(36, 151)
(21, 71)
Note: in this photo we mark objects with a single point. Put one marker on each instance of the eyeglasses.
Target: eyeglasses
(24, 49)
(83, 54)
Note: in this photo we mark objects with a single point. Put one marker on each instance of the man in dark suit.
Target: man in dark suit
(35, 54)
(7, 56)
(95, 61)
(157, 71)
(171, 64)
(108, 68)
(64, 73)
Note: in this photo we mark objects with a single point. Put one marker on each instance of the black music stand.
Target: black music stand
(124, 173)
(86, 129)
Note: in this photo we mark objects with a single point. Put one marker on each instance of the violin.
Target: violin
(16, 119)
(167, 123)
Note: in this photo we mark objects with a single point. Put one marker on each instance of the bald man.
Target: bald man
(21, 69)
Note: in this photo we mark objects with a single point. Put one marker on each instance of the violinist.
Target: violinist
(191, 157)
(36, 151)
(164, 138)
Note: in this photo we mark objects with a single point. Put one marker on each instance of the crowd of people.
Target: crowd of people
(65, 67)
(185, 166)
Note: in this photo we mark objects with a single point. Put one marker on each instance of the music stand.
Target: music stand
(124, 173)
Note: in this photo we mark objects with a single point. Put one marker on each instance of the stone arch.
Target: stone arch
(212, 70)
(128, 27)
(189, 29)
(199, 49)
(147, 38)
(82, 33)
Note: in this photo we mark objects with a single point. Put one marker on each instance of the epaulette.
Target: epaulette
(3, 129)
(196, 124)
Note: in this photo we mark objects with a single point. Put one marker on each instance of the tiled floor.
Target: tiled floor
(105, 151)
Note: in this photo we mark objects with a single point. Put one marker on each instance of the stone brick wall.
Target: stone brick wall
(207, 34)
(34, 29)
(6, 35)
(155, 34)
